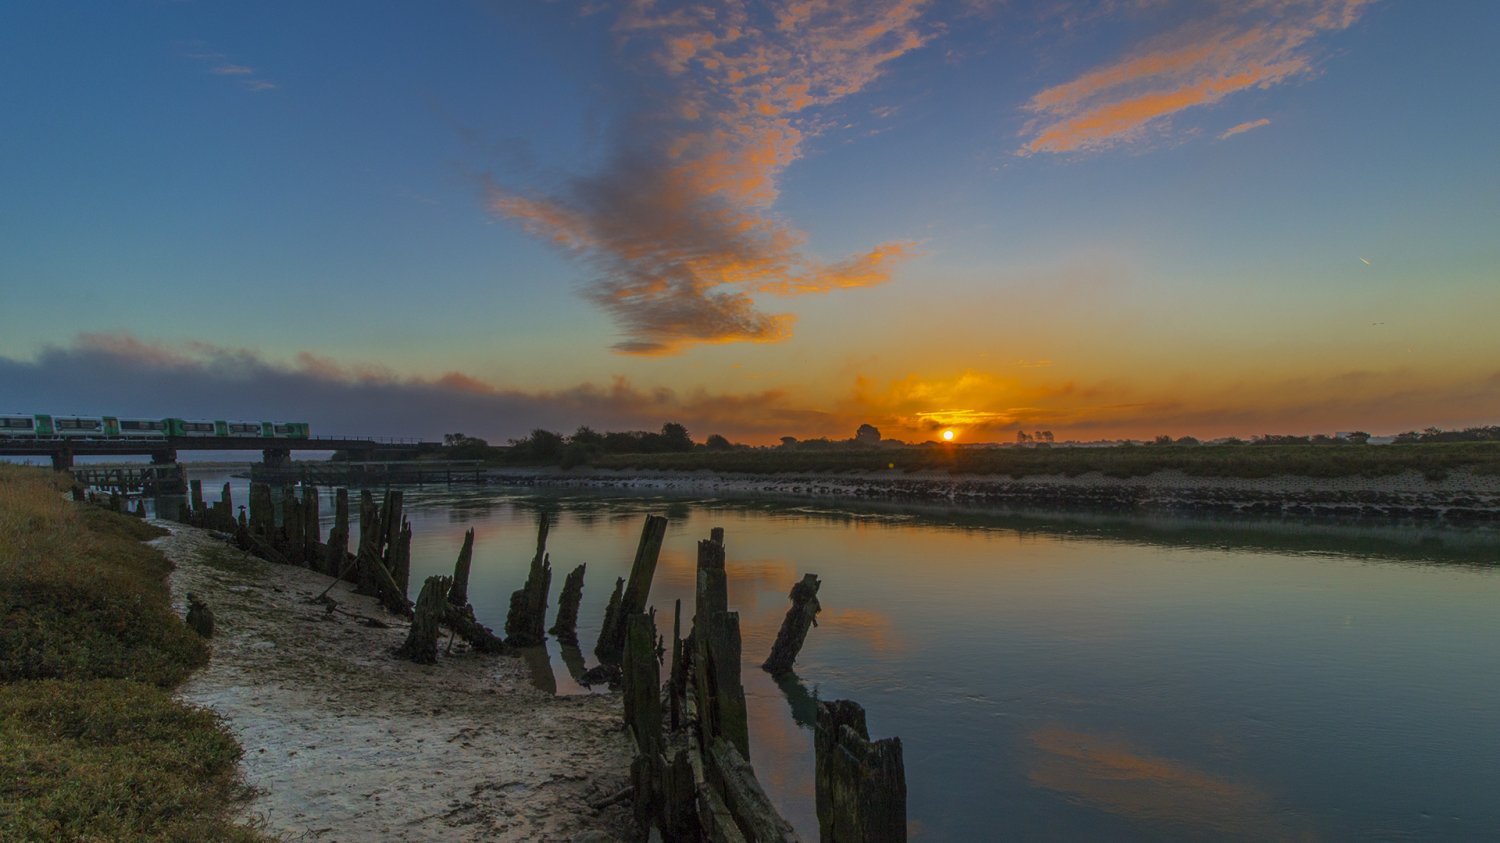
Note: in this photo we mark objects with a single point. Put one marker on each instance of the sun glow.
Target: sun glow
(947, 436)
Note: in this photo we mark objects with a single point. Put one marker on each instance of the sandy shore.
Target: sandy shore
(343, 742)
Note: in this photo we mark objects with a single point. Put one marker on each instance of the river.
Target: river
(1069, 676)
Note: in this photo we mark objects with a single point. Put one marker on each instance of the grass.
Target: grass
(1433, 460)
(92, 745)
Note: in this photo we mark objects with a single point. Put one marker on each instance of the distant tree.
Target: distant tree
(674, 437)
(1044, 435)
(788, 442)
(1408, 438)
(459, 440)
(868, 434)
(1162, 440)
(1188, 440)
(1358, 437)
(542, 444)
(1023, 438)
(586, 435)
(715, 442)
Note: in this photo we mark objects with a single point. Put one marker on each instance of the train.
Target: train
(43, 426)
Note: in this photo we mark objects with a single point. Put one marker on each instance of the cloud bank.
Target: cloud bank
(678, 226)
(1240, 46)
(123, 375)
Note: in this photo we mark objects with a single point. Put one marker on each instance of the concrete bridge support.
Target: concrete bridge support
(62, 459)
(277, 457)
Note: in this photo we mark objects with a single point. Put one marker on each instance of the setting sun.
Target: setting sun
(947, 436)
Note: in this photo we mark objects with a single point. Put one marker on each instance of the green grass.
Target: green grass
(92, 746)
(1433, 460)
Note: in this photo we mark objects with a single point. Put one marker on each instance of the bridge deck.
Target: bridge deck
(96, 447)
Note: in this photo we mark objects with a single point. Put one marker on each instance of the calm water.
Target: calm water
(1073, 677)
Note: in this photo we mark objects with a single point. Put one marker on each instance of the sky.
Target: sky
(1110, 219)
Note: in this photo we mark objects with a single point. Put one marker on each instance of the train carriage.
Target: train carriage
(78, 427)
(18, 427)
(190, 428)
(241, 428)
(135, 428)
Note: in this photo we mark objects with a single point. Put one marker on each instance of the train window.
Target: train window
(78, 424)
(22, 424)
(199, 427)
(141, 425)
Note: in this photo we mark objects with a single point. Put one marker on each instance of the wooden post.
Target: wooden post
(677, 679)
(642, 571)
(459, 594)
(262, 511)
(802, 616)
(369, 545)
(289, 539)
(400, 556)
(338, 537)
(526, 623)
(565, 630)
(227, 524)
(861, 786)
(312, 529)
(716, 653)
(421, 640)
(641, 684)
(195, 495)
(611, 618)
(392, 522)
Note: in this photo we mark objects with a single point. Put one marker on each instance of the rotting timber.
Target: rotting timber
(691, 778)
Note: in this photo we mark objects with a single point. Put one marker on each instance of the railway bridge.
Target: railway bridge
(275, 451)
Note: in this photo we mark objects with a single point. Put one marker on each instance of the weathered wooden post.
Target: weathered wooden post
(227, 516)
(140, 509)
(641, 683)
(400, 559)
(289, 539)
(369, 545)
(802, 616)
(676, 680)
(565, 630)
(200, 618)
(526, 622)
(421, 640)
(458, 595)
(642, 571)
(611, 618)
(312, 529)
(391, 523)
(716, 656)
(338, 537)
(262, 511)
(195, 498)
(861, 786)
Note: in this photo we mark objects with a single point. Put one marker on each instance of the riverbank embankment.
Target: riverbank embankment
(1460, 496)
(344, 742)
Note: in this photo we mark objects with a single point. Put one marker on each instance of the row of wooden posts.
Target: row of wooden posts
(691, 778)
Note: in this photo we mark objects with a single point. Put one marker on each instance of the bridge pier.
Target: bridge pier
(62, 459)
(277, 457)
(165, 457)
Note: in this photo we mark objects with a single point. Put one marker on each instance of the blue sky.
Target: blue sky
(1112, 218)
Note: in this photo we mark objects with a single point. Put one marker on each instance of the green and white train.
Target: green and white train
(42, 426)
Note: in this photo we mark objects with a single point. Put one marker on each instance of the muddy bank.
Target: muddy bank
(1461, 496)
(345, 743)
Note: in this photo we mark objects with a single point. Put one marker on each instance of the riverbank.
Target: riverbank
(1460, 496)
(343, 742)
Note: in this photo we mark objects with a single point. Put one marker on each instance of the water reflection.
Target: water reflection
(1066, 675)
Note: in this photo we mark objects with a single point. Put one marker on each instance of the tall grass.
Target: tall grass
(92, 746)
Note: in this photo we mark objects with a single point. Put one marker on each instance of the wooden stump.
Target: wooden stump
(337, 551)
(312, 530)
(421, 640)
(611, 619)
(802, 616)
(289, 537)
(861, 786)
(262, 511)
(369, 545)
(565, 630)
(459, 594)
(642, 570)
(200, 618)
(195, 496)
(525, 625)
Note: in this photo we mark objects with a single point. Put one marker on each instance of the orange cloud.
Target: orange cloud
(1247, 45)
(678, 225)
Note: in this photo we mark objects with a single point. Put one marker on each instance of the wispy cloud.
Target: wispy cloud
(1238, 47)
(678, 225)
(220, 65)
(1242, 128)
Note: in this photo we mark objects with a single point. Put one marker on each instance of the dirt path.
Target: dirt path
(345, 743)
